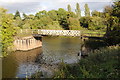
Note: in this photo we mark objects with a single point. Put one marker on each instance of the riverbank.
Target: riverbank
(102, 63)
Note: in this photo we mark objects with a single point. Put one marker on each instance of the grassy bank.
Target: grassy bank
(94, 33)
(102, 63)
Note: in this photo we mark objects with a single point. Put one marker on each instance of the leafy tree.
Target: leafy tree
(87, 10)
(74, 24)
(7, 30)
(18, 22)
(78, 11)
(40, 14)
(43, 22)
(116, 9)
(113, 24)
(97, 23)
(69, 8)
(97, 13)
(53, 15)
(93, 23)
(62, 14)
(17, 14)
(24, 15)
(55, 26)
(62, 18)
(84, 21)
(108, 10)
(71, 14)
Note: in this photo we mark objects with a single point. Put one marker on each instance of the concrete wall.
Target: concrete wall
(27, 43)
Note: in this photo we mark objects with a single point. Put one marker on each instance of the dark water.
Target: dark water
(54, 50)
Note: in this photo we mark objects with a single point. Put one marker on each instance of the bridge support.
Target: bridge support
(27, 43)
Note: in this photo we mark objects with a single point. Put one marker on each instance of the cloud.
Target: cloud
(13, 1)
(33, 6)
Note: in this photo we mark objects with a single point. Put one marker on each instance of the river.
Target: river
(21, 64)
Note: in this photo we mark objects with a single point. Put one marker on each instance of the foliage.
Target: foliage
(17, 14)
(69, 8)
(101, 63)
(97, 13)
(53, 15)
(113, 24)
(7, 30)
(54, 26)
(93, 23)
(61, 19)
(40, 14)
(96, 23)
(74, 24)
(78, 11)
(87, 10)
(84, 21)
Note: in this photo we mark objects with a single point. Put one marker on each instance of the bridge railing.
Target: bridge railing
(52, 32)
(61, 32)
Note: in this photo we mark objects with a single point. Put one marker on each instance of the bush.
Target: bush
(93, 23)
(101, 63)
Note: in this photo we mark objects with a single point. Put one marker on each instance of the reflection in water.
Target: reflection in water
(18, 63)
(9, 67)
(57, 49)
(54, 50)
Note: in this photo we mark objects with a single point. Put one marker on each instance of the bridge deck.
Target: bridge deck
(57, 32)
(40, 32)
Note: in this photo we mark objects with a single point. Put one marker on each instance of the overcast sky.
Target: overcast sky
(33, 6)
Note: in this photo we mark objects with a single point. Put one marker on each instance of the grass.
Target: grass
(93, 33)
(101, 63)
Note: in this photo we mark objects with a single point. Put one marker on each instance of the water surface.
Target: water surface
(54, 50)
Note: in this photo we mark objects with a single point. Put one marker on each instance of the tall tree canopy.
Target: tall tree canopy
(17, 14)
(69, 8)
(78, 11)
(87, 10)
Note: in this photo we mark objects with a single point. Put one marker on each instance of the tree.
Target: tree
(108, 9)
(97, 23)
(71, 14)
(93, 23)
(74, 24)
(18, 22)
(87, 10)
(62, 18)
(84, 21)
(96, 13)
(17, 14)
(113, 25)
(116, 9)
(69, 8)
(41, 14)
(7, 30)
(53, 15)
(78, 11)
(24, 16)
(55, 26)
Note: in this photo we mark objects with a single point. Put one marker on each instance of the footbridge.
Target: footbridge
(38, 32)
(28, 39)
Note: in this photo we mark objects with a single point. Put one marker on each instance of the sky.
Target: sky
(34, 6)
